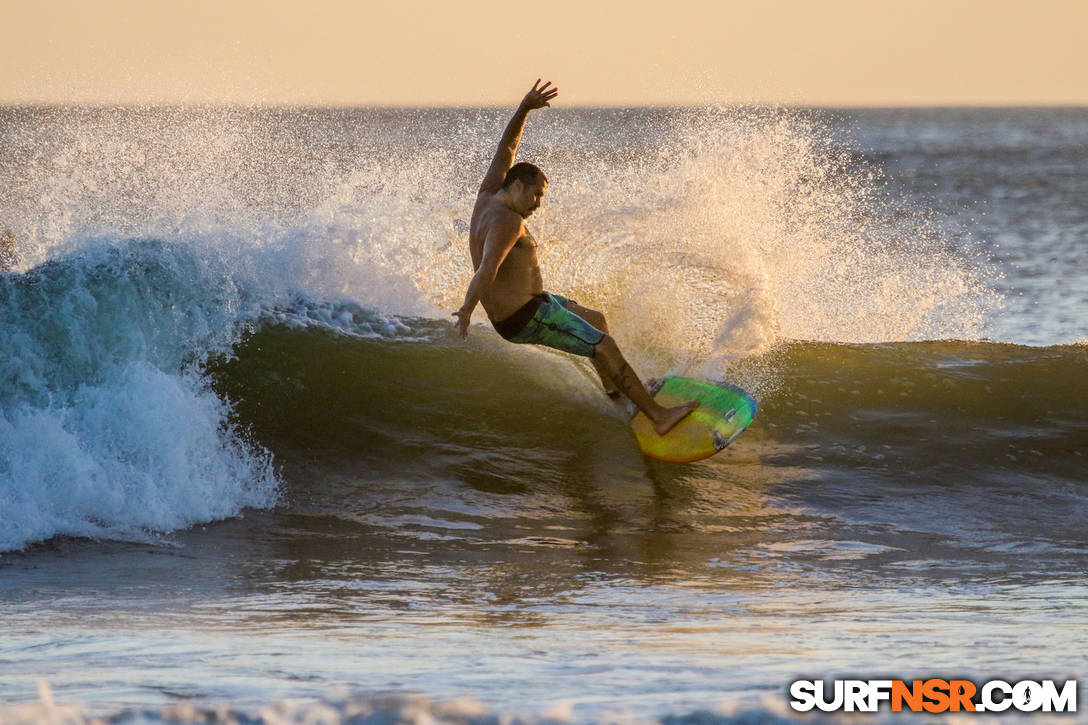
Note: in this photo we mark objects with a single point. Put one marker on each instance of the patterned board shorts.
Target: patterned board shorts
(545, 320)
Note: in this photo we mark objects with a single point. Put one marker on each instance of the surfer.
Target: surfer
(510, 287)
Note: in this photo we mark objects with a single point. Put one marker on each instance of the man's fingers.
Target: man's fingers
(462, 323)
(541, 94)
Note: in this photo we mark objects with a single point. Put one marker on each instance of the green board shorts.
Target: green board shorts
(545, 320)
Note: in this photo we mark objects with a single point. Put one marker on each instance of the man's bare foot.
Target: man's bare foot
(669, 417)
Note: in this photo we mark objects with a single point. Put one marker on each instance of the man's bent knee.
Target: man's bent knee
(607, 346)
(596, 319)
(593, 317)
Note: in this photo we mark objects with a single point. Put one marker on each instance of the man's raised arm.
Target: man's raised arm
(511, 137)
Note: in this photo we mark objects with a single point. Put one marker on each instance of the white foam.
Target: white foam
(146, 451)
(733, 230)
(106, 426)
(706, 235)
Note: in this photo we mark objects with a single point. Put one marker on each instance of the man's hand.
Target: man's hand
(539, 97)
(463, 318)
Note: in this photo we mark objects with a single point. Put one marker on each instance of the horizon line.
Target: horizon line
(138, 105)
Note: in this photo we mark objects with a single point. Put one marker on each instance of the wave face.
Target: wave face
(939, 412)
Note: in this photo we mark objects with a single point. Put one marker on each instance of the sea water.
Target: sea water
(247, 466)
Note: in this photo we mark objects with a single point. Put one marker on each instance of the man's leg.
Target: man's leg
(596, 319)
(612, 363)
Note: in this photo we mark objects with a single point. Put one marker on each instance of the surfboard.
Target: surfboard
(724, 411)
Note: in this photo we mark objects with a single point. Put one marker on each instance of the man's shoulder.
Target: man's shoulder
(491, 213)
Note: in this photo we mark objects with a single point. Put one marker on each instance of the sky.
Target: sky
(599, 52)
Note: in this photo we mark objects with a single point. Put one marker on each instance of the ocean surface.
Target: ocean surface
(248, 469)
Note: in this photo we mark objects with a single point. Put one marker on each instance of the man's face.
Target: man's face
(527, 197)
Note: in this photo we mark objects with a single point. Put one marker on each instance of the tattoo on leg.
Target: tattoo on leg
(625, 377)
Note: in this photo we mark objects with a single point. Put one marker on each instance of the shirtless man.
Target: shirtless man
(508, 281)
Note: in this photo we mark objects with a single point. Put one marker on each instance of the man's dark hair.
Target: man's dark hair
(526, 173)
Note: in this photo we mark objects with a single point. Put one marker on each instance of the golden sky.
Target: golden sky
(599, 52)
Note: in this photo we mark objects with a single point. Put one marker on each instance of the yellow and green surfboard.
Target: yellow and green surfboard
(724, 411)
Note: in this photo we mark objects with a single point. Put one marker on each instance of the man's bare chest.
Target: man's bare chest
(523, 253)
